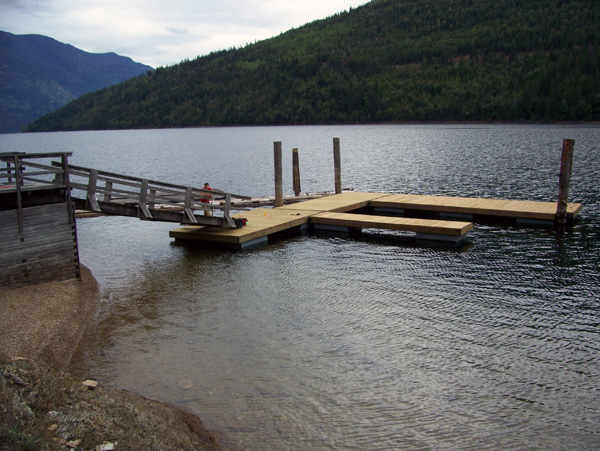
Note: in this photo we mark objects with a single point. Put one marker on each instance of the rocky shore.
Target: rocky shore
(44, 408)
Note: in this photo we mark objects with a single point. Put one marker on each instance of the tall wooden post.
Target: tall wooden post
(566, 166)
(278, 174)
(296, 171)
(18, 181)
(337, 165)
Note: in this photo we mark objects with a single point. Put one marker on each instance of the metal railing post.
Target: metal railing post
(228, 222)
(187, 207)
(91, 191)
(142, 200)
(108, 191)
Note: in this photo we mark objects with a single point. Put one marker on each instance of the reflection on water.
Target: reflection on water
(323, 343)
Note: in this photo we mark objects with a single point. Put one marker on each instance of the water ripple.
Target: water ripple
(318, 343)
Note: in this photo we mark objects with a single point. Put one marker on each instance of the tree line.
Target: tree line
(386, 61)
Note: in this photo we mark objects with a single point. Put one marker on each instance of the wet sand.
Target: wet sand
(45, 322)
(40, 328)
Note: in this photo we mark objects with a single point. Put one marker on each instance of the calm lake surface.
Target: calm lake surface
(325, 343)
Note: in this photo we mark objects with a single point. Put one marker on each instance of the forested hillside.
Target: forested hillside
(387, 61)
(39, 74)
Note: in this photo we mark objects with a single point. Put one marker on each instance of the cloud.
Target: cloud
(178, 30)
(162, 33)
(30, 6)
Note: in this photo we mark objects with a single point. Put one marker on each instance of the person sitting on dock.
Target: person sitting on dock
(205, 200)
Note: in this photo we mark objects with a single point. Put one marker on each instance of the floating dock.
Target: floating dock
(268, 222)
(348, 210)
(426, 229)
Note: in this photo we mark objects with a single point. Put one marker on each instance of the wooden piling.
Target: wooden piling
(278, 173)
(296, 172)
(337, 165)
(566, 166)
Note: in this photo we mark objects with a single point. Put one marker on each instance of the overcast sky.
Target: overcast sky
(162, 32)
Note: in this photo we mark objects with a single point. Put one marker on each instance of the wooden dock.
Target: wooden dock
(346, 211)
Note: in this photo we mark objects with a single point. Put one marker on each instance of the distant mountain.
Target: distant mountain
(386, 61)
(39, 75)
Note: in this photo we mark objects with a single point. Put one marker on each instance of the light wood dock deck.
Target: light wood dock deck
(262, 222)
(434, 230)
(467, 208)
(333, 211)
(265, 222)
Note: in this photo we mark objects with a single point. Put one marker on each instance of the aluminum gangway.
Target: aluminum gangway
(111, 193)
(117, 194)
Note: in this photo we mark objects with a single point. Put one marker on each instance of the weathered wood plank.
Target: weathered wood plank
(19, 277)
(34, 245)
(49, 259)
(33, 217)
(36, 232)
(119, 196)
(45, 250)
(82, 170)
(157, 214)
(41, 270)
(60, 218)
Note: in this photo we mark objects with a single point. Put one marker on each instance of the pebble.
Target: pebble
(185, 385)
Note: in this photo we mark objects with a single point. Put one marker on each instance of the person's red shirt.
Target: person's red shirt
(206, 196)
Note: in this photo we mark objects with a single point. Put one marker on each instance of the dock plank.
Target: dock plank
(475, 206)
(261, 222)
(437, 227)
(342, 202)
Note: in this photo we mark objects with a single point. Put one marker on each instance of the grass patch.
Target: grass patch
(14, 439)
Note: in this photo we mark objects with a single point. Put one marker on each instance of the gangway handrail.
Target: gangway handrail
(136, 196)
(155, 182)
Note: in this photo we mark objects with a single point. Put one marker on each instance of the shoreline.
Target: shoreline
(40, 329)
(45, 322)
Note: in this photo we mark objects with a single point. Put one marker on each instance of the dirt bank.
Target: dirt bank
(45, 408)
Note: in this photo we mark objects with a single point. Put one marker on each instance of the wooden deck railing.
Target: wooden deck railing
(22, 174)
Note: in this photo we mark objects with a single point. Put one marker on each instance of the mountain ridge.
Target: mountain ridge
(39, 74)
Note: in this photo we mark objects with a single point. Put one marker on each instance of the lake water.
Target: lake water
(325, 343)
